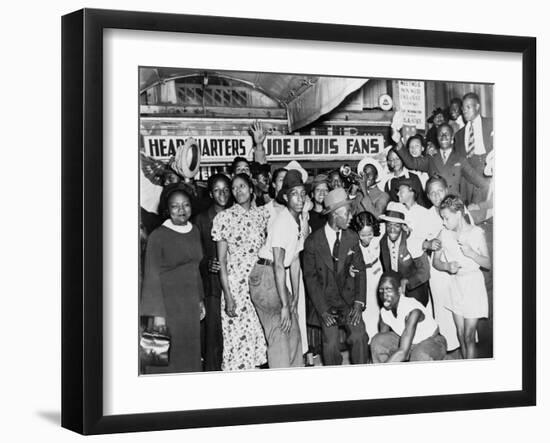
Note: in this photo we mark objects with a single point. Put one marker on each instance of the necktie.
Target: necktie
(471, 141)
(335, 250)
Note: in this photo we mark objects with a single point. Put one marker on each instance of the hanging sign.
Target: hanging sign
(216, 150)
(412, 103)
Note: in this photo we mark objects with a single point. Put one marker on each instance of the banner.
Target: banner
(217, 150)
(412, 102)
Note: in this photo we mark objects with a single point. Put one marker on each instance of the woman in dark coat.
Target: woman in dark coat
(172, 287)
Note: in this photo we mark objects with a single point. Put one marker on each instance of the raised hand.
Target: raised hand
(258, 133)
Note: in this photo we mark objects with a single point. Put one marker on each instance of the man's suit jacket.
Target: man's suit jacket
(415, 270)
(486, 129)
(456, 167)
(325, 284)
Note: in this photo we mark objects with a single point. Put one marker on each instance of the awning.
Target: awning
(306, 98)
(321, 98)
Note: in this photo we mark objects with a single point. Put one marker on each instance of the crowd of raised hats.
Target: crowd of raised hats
(401, 238)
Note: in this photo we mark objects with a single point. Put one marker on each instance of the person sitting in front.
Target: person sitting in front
(334, 272)
(408, 331)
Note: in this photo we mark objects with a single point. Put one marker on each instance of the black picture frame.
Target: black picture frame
(82, 218)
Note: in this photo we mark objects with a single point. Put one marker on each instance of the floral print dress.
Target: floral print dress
(244, 344)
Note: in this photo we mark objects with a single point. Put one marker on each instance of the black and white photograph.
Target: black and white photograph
(296, 220)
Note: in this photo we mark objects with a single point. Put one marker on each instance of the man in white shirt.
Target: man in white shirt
(408, 331)
(275, 304)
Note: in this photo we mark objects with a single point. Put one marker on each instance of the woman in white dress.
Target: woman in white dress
(463, 252)
(368, 228)
(440, 281)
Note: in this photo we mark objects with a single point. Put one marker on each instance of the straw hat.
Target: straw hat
(395, 212)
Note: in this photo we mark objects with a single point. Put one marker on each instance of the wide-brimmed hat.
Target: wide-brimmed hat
(336, 199)
(294, 165)
(292, 179)
(395, 212)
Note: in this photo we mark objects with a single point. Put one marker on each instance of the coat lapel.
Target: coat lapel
(385, 253)
(324, 250)
(345, 246)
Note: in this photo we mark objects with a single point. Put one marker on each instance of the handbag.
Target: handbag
(154, 347)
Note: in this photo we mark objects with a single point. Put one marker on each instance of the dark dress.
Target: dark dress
(172, 288)
(316, 220)
(213, 338)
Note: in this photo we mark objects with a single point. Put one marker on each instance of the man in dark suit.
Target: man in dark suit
(447, 163)
(395, 255)
(474, 141)
(334, 273)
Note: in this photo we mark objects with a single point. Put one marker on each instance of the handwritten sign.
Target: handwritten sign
(412, 102)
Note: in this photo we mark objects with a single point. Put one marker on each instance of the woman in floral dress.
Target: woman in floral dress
(240, 232)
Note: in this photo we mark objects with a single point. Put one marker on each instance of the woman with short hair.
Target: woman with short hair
(463, 252)
(172, 288)
(240, 232)
(368, 228)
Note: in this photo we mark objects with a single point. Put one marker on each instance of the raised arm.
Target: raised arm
(258, 137)
(421, 163)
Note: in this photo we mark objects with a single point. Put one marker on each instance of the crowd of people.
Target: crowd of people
(266, 268)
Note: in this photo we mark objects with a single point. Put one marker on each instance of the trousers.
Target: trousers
(284, 350)
(384, 344)
(356, 339)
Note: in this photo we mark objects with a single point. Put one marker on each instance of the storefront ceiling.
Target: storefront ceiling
(281, 87)
(305, 98)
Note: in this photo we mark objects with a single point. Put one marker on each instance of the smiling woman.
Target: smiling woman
(171, 262)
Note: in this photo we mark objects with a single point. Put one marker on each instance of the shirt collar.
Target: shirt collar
(404, 173)
(182, 229)
(396, 243)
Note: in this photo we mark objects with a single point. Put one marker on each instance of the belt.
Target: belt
(265, 261)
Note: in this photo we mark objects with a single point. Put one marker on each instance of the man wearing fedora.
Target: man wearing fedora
(396, 256)
(338, 295)
(276, 305)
